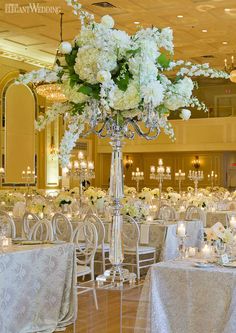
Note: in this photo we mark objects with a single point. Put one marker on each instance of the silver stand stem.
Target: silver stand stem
(116, 256)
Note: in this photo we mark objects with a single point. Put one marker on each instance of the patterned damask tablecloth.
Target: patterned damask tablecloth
(37, 288)
(163, 237)
(210, 218)
(180, 298)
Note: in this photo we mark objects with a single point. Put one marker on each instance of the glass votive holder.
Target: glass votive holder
(192, 251)
(206, 251)
(5, 241)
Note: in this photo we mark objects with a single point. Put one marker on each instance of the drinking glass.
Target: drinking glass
(220, 247)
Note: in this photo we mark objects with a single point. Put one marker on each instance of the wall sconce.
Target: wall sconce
(196, 162)
(53, 151)
(128, 162)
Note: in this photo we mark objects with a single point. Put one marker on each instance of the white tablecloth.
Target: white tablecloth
(180, 298)
(37, 288)
(163, 237)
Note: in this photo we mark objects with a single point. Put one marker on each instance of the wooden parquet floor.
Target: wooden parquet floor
(116, 312)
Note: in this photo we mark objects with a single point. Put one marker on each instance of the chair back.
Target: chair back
(167, 213)
(86, 209)
(193, 213)
(130, 233)
(99, 226)
(86, 250)
(231, 206)
(62, 228)
(42, 230)
(7, 224)
(29, 220)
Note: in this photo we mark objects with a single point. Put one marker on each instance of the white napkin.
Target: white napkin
(19, 209)
(144, 234)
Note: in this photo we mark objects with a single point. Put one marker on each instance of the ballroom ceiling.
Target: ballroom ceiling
(203, 30)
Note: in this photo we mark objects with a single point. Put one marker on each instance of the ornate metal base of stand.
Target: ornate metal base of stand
(115, 277)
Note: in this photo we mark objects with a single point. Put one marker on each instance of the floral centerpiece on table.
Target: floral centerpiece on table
(146, 195)
(135, 209)
(75, 191)
(169, 189)
(107, 74)
(36, 206)
(14, 197)
(190, 189)
(173, 197)
(94, 194)
(130, 191)
(155, 193)
(219, 232)
(63, 199)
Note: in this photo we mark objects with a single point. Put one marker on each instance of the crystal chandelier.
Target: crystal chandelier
(53, 151)
(52, 91)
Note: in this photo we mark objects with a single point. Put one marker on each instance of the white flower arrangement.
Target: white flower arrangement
(129, 191)
(146, 194)
(155, 193)
(135, 209)
(173, 197)
(105, 73)
(63, 199)
(94, 194)
(14, 197)
(219, 232)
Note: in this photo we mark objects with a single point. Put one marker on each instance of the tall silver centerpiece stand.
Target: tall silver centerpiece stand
(117, 275)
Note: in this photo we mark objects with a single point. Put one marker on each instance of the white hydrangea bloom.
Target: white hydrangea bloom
(125, 100)
(90, 61)
(153, 93)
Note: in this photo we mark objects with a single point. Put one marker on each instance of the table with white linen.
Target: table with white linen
(180, 298)
(163, 237)
(210, 218)
(37, 288)
(222, 216)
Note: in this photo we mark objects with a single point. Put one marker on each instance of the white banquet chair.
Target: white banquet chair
(103, 248)
(7, 220)
(42, 230)
(194, 213)
(141, 256)
(29, 220)
(167, 213)
(62, 228)
(85, 256)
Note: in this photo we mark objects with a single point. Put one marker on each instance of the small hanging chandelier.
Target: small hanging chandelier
(52, 91)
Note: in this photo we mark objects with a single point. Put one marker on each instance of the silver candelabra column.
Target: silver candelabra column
(180, 176)
(160, 173)
(196, 176)
(212, 177)
(137, 176)
(81, 169)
